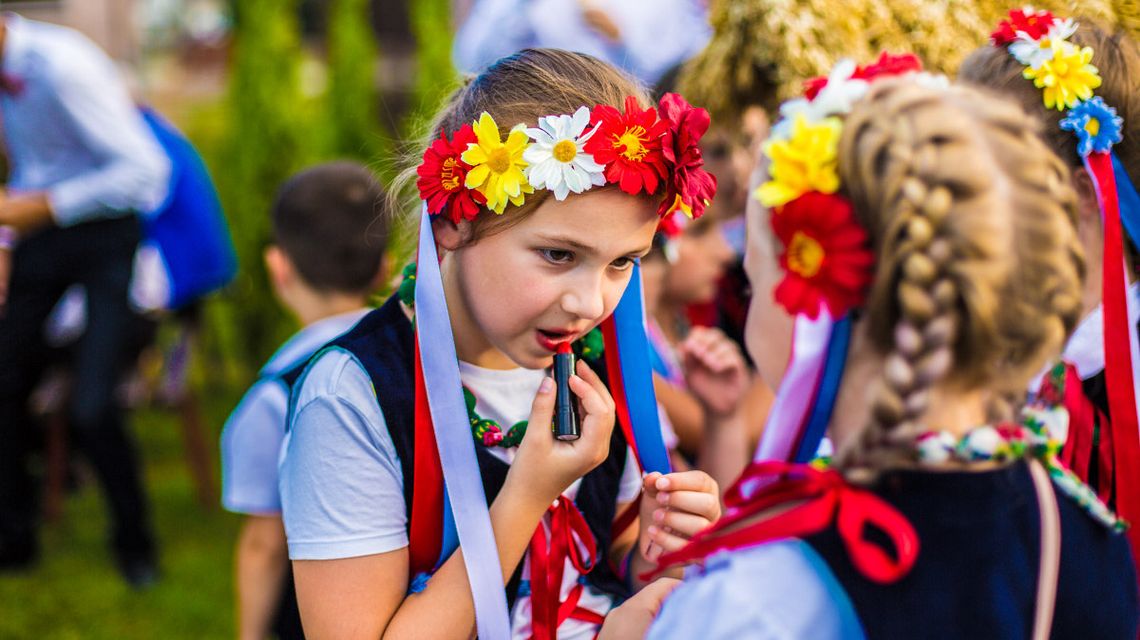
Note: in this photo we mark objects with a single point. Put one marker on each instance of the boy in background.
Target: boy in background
(329, 234)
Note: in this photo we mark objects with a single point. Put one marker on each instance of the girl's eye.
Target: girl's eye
(622, 263)
(557, 256)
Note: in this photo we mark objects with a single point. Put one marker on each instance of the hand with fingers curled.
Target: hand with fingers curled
(715, 371)
(546, 466)
(674, 507)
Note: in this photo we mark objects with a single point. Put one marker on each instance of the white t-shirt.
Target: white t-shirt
(341, 482)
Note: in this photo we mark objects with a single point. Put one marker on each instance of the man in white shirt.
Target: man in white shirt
(82, 166)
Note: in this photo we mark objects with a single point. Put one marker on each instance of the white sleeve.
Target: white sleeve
(342, 491)
(630, 485)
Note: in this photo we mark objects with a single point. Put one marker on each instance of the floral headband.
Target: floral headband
(653, 150)
(1064, 72)
(825, 256)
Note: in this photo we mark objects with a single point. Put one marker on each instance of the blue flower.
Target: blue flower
(1096, 124)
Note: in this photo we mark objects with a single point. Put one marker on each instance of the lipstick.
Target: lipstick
(566, 425)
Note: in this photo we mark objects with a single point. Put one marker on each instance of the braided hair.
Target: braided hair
(979, 271)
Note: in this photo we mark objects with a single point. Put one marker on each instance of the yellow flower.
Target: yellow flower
(804, 162)
(496, 166)
(1068, 78)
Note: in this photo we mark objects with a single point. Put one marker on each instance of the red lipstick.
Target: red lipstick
(566, 425)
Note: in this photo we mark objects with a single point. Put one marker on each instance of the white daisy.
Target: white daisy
(557, 160)
(1034, 53)
(836, 98)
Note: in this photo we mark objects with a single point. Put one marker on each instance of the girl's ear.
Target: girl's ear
(449, 235)
(1088, 208)
(278, 266)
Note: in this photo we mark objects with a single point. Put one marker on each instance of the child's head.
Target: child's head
(1117, 58)
(977, 270)
(700, 255)
(329, 233)
(523, 278)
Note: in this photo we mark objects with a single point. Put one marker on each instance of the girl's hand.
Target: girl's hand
(715, 371)
(675, 507)
(545, 466)
(633, 618)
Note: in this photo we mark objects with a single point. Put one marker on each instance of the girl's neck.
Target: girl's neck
(953, 410)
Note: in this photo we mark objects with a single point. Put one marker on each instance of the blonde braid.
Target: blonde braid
(978, 267)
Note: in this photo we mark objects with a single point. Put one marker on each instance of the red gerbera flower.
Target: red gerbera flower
(629, 145)
(1034, 23)
(888, 64)
(689, 187)
(442, 173)
(825, 259)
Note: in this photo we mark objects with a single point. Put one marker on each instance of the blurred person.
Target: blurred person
(83, 164)
(646, 38)
(326, 258)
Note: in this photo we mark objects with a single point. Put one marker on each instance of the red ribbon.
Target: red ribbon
(425, 529)
(820, 499)
(570, 538)
(1125, 432)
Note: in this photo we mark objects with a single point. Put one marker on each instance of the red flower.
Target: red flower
(689, 188)
(629, 145)
(825, 259)
(1034, 23)
(442, 173)
(888, 64)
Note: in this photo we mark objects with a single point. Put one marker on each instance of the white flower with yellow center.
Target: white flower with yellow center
(556, 158)
(1034, 53)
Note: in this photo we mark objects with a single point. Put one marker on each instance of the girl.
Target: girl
(945, 225)
(1101, 402)
(371, 512)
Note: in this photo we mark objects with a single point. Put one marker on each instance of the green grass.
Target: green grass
(75, 591)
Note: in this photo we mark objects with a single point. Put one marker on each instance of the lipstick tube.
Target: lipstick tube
(566, 426)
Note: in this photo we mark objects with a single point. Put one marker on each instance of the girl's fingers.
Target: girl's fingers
(663, 541)
(542, 409)
(706, 505)
(694, 480)
(682, 523)
(591, 401)
(587, 374)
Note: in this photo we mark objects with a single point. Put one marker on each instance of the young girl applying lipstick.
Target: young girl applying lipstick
(543, 183)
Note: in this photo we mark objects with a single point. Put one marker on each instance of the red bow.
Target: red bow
(819, 499)
(570, 538)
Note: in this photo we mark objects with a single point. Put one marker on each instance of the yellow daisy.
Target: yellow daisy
(1068, 78)
(497, 166)
(803, 162)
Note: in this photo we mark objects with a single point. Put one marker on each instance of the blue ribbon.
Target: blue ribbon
(820, 413)
(637, 377)
(464, 485)
(1129, 201)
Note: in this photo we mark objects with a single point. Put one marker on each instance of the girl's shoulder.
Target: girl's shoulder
(779, 589)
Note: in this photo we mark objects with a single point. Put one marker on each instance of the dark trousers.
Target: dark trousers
(99, 256)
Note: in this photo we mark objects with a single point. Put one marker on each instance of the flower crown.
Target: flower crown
(1064, 72)
(653, 150)
(825, 257)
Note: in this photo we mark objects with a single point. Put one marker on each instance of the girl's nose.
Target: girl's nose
(585, 299)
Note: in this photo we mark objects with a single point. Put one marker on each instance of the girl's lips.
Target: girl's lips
(549, 340)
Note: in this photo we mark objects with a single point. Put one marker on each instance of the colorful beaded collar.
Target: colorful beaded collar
(652, 151)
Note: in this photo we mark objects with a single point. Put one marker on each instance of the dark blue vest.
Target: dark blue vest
(976, 574)
(383, 344)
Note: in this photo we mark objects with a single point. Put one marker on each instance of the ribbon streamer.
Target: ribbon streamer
(1119, 338)
(464, 486)
(821, 409)
(789, 412)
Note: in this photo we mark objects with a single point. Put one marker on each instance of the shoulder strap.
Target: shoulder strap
(1050, 561)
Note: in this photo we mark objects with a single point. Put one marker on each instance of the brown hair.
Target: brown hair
(1116, 57)
(521, 88)
(327, 220)
(979, 271)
